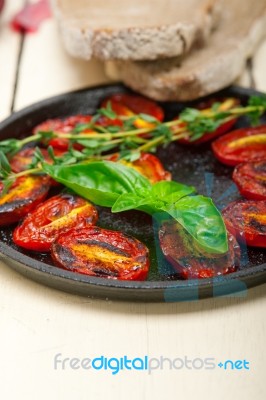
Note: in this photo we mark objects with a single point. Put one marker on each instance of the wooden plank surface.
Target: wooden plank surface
(10, 43)
(38, 322)
(46, 69)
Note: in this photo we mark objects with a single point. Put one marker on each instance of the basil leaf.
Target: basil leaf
(101, 182)
(170, 191)
(111, 184)
(201, 219)
(161, 193)
(129, 201)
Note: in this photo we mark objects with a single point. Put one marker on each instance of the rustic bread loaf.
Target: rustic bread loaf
(134, 30)
(204, 70)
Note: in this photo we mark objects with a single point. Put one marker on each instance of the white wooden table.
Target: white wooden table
(36, 322)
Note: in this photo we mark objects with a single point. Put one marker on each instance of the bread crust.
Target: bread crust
(86, 33)
(204, 70)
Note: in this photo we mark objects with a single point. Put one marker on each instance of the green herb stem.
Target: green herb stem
(180, 136)
(245, 110)
(26, 172)
(175, 124)
(151, 143)
(192, 124)
(34, 138)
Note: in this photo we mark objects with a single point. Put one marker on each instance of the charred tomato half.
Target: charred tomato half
(129, 105)
(103, 253)
(65, 125)
(148, 165)
(250, 179)
(56, 215)
(189, 260)
(22, 197)
(206, 108)
(246, 219)
(241, 145)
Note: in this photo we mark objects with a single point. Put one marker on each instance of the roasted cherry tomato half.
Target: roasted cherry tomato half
(56, 215)
(205, 107)
(21, 160)
(128, 105)
(22, 197)
(69, 124)
(250, 179)
(148, 165)
(99, 252)
(246, 219)
(64, 126)
(122, 104)
(189, 261)
(151, 167)
(241, 145)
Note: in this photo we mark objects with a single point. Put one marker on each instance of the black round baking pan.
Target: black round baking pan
(192, 165)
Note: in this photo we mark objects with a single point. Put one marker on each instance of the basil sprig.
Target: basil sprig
(112, 184)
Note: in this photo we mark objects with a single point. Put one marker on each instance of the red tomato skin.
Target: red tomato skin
(224, 128)
(63, 253)
(240, 155)
(148, 165)
(123, 103)
(64, 126)
(236, 220)
(105, 122)
(21, 160)
(59, 144)
(39, 229)
(249, 195)
(247, 181)
(189, 261)
(22, 197)
(155, 171)
(221, 130)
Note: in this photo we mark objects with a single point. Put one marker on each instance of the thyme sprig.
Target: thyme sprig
(137, 134)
